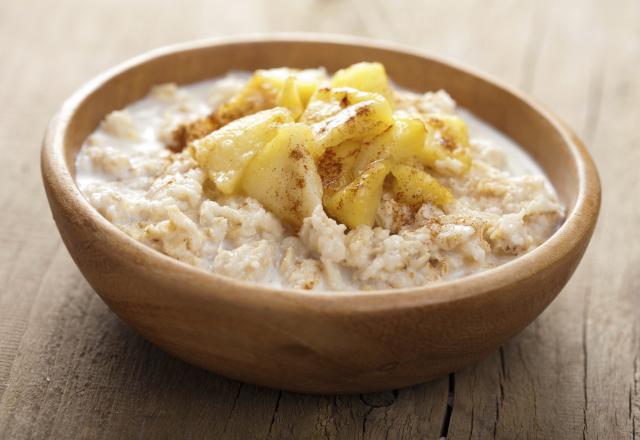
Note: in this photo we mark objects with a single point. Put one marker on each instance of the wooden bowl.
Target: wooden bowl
(323, 342)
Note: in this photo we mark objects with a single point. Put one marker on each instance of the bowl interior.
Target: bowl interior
(510, 113)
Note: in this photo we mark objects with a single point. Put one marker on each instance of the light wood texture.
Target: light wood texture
(69, 368)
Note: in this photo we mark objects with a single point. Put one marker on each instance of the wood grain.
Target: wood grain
(69, 368)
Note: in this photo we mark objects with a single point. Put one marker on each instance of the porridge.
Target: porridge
(300, 179)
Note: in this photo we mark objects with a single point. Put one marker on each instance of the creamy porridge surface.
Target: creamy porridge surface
(501, 207)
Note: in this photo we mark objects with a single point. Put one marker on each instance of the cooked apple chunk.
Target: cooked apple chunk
(402, 143)
(225, 153)
(414, 187)
(289, 97)
(357, 203)
(308, 81)
(337, 115)
(336, 166)
(368, 77)
(447, 138)
(283, 176)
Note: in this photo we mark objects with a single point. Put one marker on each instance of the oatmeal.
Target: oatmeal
(306, 180)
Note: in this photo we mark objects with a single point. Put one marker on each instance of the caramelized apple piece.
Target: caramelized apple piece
(447, 138)
(225, 153)
(336, 166)
(283, 176)
(367, 77)
(414, 187)
(342, 114)
(289, 97)
(402, 143)
(357, 203)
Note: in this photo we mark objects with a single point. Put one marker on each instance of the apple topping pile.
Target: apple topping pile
(295, 139)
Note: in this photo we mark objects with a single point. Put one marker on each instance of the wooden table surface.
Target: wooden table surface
(69, 368)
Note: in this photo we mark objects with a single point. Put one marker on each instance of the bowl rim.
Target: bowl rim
(577, 226)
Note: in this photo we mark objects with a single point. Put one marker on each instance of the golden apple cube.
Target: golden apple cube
(368, 77)
(357, 203)
(289, 97)
(402, 143)
(336, 165)
(258, 94)
(448, 137)
(283, 176)
(342, 114)
(225, 153)
(308, 81)
(414, 187)
(410, 135)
